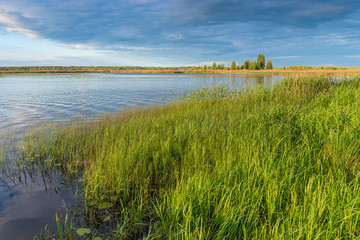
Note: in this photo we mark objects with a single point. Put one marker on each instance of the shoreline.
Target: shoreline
(343, 71)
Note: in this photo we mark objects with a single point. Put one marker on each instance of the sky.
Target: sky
(178, 32)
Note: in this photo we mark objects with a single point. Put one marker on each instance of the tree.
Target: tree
(205, 67)
(269, 65)
(233, 65)
(214, 66)
(261, 61)
(246, 64)
(254, 65)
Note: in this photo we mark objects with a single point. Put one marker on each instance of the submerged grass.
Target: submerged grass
(263, 163)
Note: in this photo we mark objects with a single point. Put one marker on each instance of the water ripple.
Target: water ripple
(26, 99)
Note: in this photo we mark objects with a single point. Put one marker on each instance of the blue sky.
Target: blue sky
(178, 32)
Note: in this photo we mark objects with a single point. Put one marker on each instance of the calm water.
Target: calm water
(27, 205)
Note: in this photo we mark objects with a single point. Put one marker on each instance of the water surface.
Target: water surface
(29, 98)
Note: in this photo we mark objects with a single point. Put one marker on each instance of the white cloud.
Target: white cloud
(11, 23)
(7, 20)
(27, 32)
(79, 46)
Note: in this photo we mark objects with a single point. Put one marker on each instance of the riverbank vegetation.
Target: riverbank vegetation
(279, 162)
(260, 65)
(220, 69)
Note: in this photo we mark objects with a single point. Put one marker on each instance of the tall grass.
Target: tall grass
(263, 163)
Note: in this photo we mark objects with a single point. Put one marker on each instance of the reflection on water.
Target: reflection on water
(6, 192)
(29, 98)
(29, 202)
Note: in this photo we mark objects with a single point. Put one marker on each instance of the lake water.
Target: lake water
(28, 204)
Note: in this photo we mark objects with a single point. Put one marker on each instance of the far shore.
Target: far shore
(337, 71)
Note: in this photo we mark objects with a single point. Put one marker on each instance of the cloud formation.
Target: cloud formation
(202, 28)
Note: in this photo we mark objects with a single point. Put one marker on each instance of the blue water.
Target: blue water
(26, 99)
(6, 192)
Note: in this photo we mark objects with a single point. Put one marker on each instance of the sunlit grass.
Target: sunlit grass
(262, 163)
(290, 70)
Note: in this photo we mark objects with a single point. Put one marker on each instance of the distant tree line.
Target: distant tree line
(254, 65)
(259, 64)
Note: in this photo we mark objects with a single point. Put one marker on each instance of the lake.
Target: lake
(28, 202)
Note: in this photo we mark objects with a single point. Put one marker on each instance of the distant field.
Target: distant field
(351, 71)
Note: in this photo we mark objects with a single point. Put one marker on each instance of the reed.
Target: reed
(280, 162)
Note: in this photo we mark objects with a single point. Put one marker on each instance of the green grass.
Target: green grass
(262, 163)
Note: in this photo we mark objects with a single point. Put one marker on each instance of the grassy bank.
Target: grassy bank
(279, 163)
(292, 70)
